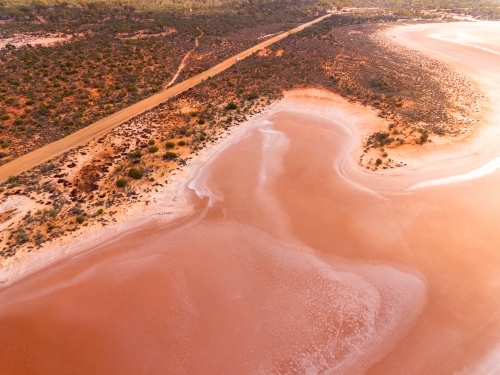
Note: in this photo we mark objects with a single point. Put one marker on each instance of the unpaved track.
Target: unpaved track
(183, 62)
(103, 126)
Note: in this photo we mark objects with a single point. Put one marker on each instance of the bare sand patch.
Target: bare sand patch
(21, 40)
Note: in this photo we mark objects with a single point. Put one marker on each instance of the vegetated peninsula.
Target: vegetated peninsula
(66, 66)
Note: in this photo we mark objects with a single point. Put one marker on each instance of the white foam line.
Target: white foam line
(485, 170)
(461, 40)
(199, 183)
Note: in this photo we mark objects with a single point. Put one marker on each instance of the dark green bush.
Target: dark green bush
(379, 161)
(181, 143)
(252, 96)
(170, 144)
(170, 155)
(121, 182)
(153, 149)
(231, 106)
(424, 136)
(151, 142)
(80, 219)
(135, 173)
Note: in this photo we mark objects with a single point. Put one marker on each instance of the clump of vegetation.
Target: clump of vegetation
(181, 143)
(169, 155)
(231, 106)
(135, 155)
(379, 161)
(135, 173)
(170, 144)
(424, 136)
(80, 219)
(153, 149)
(122, 182)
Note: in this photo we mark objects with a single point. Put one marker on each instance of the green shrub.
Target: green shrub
(181, 143)
(379, 161)
(252, 96)
(80, 219)
(135, 173)
(231, 106)
(4, 117)
(170, 155)
(4, 145)
(100, 211)
(201, 121)
(151, 142)
(121, 182)
(136, 154)
(170, 144)
(153, 149)
(424, 136)
(30, 102)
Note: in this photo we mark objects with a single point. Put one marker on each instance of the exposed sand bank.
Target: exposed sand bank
(27, 39)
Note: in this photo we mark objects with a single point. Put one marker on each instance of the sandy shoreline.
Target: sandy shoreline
(431, 163)
(172, 205)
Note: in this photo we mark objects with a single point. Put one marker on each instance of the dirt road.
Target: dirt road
(103, 126)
